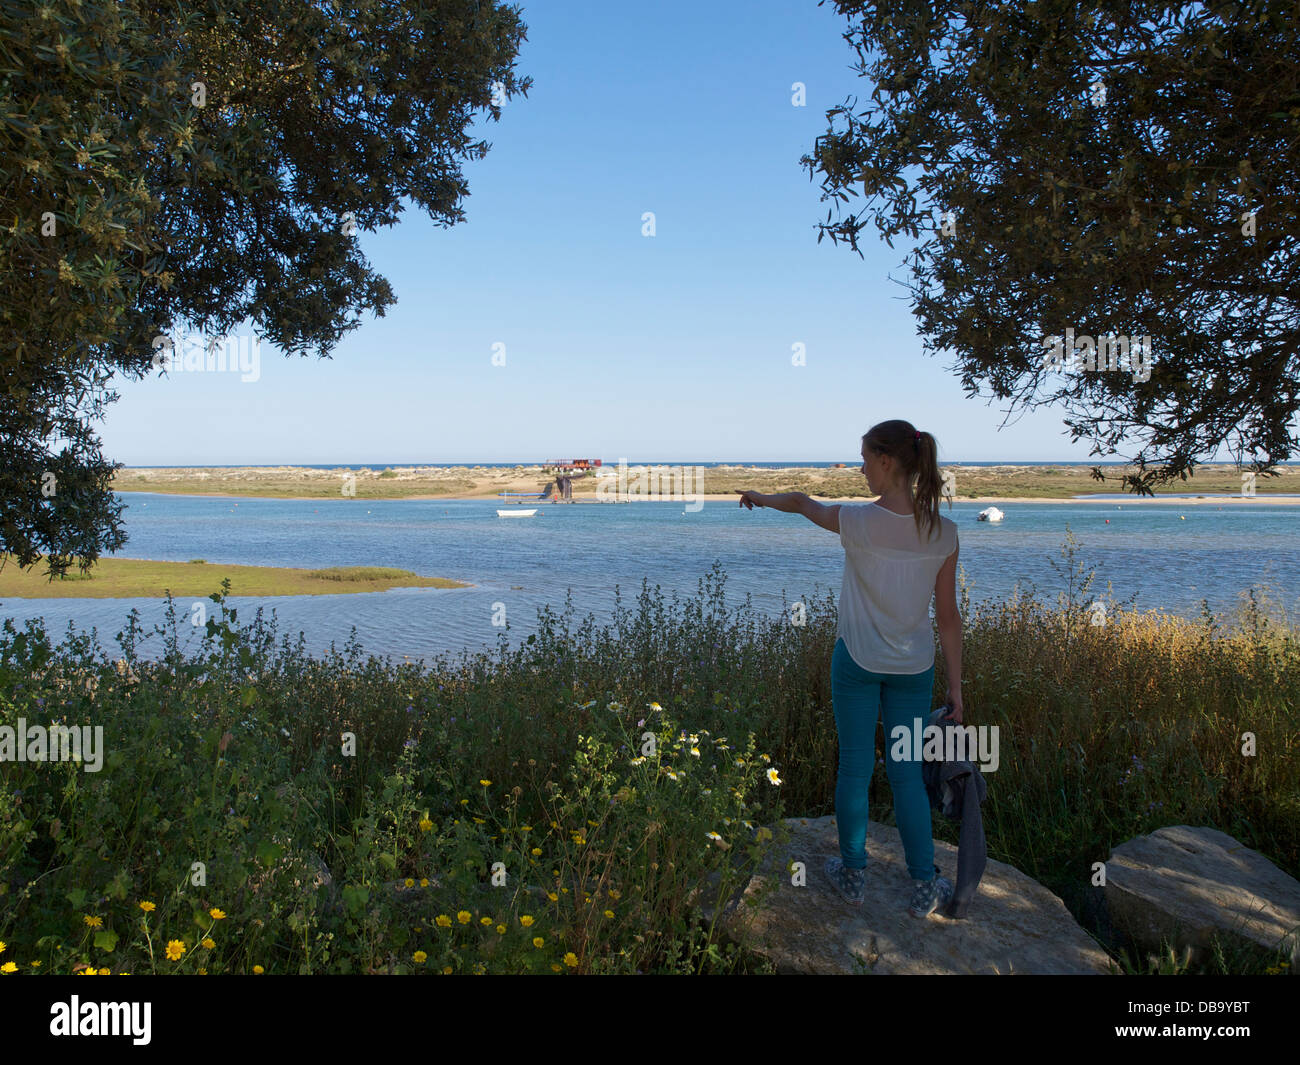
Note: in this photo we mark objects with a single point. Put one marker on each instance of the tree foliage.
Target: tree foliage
(1125, 167)
(170, 163)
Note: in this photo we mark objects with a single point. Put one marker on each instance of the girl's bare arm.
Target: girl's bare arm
(828, 517)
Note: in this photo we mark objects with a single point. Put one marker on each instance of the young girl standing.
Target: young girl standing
(898, 553)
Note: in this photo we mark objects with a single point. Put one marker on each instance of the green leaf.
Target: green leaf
(355, 897)
(268, 853)
(105, 940)
(119, 886)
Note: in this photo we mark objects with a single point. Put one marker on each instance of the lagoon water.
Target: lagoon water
(1170, 557)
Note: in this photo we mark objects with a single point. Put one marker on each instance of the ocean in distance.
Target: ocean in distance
(792, 465)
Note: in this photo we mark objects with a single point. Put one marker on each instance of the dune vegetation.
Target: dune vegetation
(432, 482)
(571, 804)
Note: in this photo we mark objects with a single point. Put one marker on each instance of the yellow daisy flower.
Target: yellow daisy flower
(420, 957)
(258, 970)
(539, 942)
(442, 921)
(175, 948)
(464, 917)
(526, 921)
(148, 907)
(216, 914)
(8, 967)
(571, 960)
(94, 922)
(208, 943)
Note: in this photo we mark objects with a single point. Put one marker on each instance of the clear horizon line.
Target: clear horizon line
(614, 462)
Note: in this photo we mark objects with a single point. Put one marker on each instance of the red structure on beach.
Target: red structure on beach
(573, 464)
(564, 471)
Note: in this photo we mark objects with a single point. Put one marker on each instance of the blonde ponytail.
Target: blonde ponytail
(917, 453)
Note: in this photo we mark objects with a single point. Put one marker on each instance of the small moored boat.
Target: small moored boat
(516, 513)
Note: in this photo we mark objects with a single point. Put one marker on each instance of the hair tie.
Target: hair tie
(916, 441)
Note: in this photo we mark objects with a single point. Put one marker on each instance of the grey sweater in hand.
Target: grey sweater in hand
(956, 790)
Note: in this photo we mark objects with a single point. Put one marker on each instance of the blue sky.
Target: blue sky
(674, 347)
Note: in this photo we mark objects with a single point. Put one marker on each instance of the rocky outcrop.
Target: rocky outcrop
(1184, 885)
(1015, 925)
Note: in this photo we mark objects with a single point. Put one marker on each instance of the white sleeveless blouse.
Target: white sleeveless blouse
(889, 576)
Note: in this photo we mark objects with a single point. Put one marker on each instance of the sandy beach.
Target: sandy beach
(1279, 501)
(1222, 484)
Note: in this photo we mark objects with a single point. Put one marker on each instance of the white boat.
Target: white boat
(516, 513)
(991, 514)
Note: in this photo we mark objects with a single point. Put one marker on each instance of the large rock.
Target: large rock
(1184, 885)
(1015, 925)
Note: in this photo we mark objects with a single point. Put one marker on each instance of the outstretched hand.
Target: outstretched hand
(750, 499)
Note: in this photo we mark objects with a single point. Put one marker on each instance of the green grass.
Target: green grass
(233, 753)
(121, 578)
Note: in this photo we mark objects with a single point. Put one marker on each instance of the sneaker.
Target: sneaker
(850, 883)
(930, 895)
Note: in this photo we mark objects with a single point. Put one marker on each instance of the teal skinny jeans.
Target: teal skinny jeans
(858, 696)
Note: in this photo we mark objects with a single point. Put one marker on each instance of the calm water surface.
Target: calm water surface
(1171, 557)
